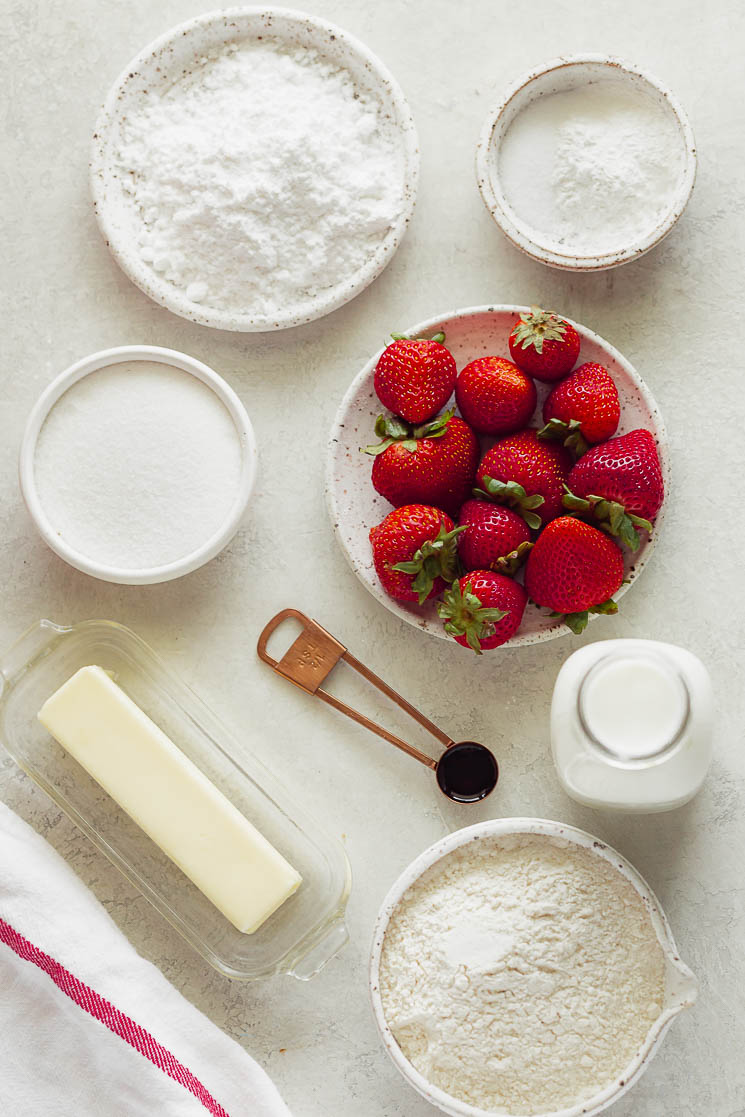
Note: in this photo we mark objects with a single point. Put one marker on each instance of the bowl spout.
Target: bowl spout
(681, 985)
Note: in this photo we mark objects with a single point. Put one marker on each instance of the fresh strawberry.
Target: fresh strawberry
(432, 464)
(618, 485)
(482, 609)
(574, 569)
(582, 409)
(415, 377)
(494, 396)
(495, 538)
(415, 552)
(526, 474)
(544, 345)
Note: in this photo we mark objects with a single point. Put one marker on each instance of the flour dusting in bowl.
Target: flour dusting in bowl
(521, 974)
(593, 168)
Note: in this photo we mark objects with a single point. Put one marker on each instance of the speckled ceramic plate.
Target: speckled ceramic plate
(355, 507)
(174, 54)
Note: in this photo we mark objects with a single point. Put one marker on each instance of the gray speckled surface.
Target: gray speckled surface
(672, 313)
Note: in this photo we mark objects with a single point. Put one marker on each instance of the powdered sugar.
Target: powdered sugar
(593, 169)
(521, 975)
(261, 178)
(138, 465)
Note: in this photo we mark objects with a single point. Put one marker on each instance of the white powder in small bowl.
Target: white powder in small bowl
(521, 975)
(593, 169)
(138, 465)
(260, 179)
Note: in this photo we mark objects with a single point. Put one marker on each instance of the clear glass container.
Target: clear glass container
(306, 931)
(631, 725)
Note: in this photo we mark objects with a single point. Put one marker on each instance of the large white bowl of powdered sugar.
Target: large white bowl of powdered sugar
(254, 168)
(521, 967)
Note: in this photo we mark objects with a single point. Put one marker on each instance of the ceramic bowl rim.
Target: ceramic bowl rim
(166, 294)
(558, 628)
(518, 234)
(500, 827)
(103, 359)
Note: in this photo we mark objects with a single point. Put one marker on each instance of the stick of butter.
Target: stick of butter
(169, 798)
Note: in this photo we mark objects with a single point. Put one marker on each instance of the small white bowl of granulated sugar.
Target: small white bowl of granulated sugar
(137, 464)
(522, 968)
(586, 163)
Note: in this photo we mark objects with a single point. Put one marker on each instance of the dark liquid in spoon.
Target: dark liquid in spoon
(467, 772)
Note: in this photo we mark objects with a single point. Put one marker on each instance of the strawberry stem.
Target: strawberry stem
(514, 496)
(610, 516)
(538, 326)
(577, 622)
(464, 615)
(511, 563)
(438, 337)
(393, 429)
(436, 558)
(570, 433)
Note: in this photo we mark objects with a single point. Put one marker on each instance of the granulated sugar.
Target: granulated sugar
(138, 465)
(521, 975)
(260, 179)
(592, 169)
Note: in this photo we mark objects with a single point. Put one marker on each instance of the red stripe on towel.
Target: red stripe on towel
(101, 1009)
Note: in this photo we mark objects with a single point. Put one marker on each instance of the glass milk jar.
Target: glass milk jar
(631, 725)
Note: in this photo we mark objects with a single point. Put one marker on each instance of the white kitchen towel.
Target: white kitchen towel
(88, 1026)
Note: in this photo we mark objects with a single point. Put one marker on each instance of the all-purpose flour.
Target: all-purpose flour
(138, 464)
(594, 168)
(521, 975)
(260, 178)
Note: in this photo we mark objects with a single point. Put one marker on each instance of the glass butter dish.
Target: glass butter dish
(306, 931)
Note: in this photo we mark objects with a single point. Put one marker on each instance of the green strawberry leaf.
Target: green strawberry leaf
(464, 615)
(435, 428)
(570, 433)
(577, 622)
(514, 496)
(610, 516)
(607, 608)
(436, 558)
(438, 337)
(538, 326)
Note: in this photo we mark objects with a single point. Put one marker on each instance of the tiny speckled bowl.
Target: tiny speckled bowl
(46, 402)
(557, 76)
(173, 54)
(681, 987)
(354, 505)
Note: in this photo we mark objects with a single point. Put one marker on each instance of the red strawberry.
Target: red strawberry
(574, 569)
(583, 408)
(527, 474)
(619, 484)
(432, 464)
(415, 377)
(494, 538)
(415, 552)
(544, 345)
(482, 609)
(494, 396)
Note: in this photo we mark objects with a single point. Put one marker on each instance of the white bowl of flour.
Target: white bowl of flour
(137, 464)
(254, 168)
(586, 163)
(521, 967)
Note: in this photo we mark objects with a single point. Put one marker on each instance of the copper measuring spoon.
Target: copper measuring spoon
(466, 771)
